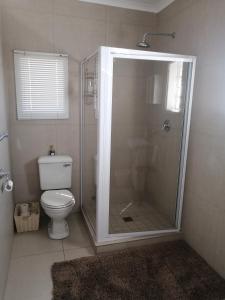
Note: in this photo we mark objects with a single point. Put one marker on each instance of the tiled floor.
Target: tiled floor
(33, 255)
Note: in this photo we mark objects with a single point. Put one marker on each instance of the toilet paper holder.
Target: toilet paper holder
(7, 185)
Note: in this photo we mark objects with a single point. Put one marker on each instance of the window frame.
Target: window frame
(54, 115)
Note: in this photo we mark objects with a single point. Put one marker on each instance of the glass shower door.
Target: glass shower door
(148, 112)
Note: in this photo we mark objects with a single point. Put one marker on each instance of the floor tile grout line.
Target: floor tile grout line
(77, 247)
(37, 254)
(63, 249)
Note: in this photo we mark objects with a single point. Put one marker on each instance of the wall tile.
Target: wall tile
(128, 16)
(78, 9)
(40, 6)
(6, 201)
(199, 25)
(78, 37)
(25, 30)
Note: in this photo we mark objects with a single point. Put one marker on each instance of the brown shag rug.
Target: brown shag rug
(164, 271)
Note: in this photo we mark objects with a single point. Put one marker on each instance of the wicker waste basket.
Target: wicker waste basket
(26, 216)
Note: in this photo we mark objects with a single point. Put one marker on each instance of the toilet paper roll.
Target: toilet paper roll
(7, 186)
(24, 208)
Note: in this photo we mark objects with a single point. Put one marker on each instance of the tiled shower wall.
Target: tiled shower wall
(199, 27)
(71, 27)
(128, 127)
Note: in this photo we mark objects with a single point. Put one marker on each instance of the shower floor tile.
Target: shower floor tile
(145, 217)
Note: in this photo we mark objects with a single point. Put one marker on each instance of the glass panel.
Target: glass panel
(147, 123)
(89, 139)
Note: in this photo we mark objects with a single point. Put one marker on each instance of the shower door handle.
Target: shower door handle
(166, 126)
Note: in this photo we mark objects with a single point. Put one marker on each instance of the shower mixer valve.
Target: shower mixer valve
(166, 126)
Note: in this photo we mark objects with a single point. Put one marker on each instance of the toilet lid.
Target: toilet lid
(57, 198)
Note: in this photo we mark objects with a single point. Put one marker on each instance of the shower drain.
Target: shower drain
(128, 219)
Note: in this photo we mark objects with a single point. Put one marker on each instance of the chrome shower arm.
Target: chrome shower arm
(172, 34)
(144, 42)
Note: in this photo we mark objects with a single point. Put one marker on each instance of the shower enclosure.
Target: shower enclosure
(135, 108)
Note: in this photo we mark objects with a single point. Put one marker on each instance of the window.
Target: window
(174, 88)
(41, 85)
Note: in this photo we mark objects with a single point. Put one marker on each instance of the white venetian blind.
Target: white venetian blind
(41, 85)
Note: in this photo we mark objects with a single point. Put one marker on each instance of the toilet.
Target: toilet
(57, 201)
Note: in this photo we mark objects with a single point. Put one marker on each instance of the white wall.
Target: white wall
(6, 203)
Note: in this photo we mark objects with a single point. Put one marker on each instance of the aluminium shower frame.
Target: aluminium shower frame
(106, 55)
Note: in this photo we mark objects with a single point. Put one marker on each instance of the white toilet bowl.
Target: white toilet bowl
(57, 204)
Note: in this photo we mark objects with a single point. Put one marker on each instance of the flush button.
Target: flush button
(66, 165)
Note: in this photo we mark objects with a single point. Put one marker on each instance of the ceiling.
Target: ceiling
(154, 6)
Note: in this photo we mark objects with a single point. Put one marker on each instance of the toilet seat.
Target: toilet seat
(57, 199)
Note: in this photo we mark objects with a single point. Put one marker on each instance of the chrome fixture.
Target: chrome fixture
(3, 174)
(3, 135)
(7, 185)
(144, 42)
(166, 126)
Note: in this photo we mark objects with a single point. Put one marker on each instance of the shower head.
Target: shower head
(145, 44)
